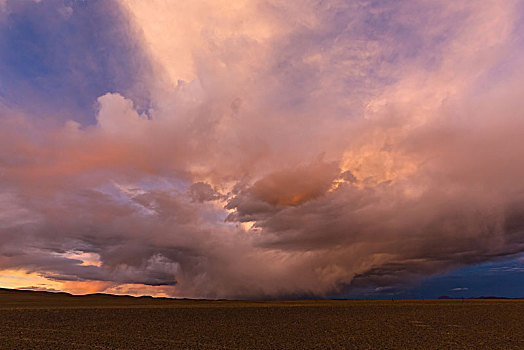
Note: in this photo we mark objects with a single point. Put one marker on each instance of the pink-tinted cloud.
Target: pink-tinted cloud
(359, 144)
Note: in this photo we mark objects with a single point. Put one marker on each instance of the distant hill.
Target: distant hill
(481, 297)
(14, 298)
(29, 298)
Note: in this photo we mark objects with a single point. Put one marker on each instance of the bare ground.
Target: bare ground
(32, 320)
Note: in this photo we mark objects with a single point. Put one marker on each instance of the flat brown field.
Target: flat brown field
(33, 320)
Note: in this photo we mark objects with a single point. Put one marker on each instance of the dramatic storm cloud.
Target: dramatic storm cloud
(257, 149)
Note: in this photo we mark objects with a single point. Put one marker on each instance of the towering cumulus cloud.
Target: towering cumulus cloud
(258, 148)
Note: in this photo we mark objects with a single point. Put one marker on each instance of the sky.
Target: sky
(262, 149)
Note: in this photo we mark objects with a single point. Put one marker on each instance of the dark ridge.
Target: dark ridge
(147, 298)
(493, 297)
(48, 295)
